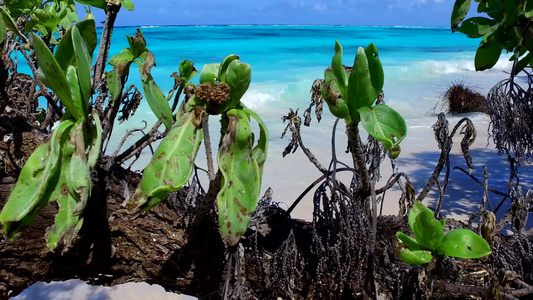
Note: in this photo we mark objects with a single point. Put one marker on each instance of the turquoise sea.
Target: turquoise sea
(419, 64)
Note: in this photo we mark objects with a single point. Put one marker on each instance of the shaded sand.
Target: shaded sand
(420, 155)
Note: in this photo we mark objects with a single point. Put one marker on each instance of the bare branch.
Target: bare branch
(103, 49)
(207, 145)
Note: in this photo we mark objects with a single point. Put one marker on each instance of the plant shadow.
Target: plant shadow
(463, 195)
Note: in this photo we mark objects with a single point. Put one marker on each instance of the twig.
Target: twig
(294, 123)
(177, 98)
(128, 134)
(207, 144)
(485, 198)
(358, 157)
(103, 49)
(146, 140)
(479, 182)
(111, 113)
(468, 290)
(312, 185)
(445, 141)
(522, 292)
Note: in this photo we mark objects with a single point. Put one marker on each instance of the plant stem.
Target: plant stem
(208, 150)
(356, 148)
(103, 49)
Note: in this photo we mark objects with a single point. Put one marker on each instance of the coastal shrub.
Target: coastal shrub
(504, 25)
(59, 170)
(240, 159)
(431, 241)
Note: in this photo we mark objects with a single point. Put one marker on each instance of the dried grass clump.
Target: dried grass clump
(463, 99)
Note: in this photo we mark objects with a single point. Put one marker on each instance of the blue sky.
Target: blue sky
(307, 12)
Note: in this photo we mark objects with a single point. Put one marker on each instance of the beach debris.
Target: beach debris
(460, 98)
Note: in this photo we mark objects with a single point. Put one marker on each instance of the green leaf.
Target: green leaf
(366, 80)
(224, 66)
(95, 3)
(84, 67)
(238, 77)
(127, 4)
(121, 59)
(459, 12)
(65, 53)
(417, 257)
(52, 76)
(79, 174)
(137, 44)
(186, 71)
(154, 95)
(87, 29)
(209, 73)
(2, 29)
(386, 125)
(523, 62)
(27, 195)
(96, 143)
(339, 74)
(487, 55)
(477, 26)
(506, 39)
(407, 240)
(337, 106)
(67, 224)
(428, 231)
(417, 208)
(10, 24)
(260, 151)
(241, 178)
(494, 8)
(172, 163)
(528, 9)
(71, 16)
(18, 7)
(78, 104)
(464, 243)
(114, 83)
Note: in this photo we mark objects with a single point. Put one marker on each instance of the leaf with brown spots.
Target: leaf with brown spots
(172, 163)
(241, 177)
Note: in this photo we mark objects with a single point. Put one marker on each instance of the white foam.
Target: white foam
(262, 94)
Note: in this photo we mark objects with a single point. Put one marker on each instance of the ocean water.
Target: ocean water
(419, 65)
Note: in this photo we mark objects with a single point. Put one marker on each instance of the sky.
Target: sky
(430, 13)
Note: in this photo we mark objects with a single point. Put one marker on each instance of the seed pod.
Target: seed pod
(172, 163)
(241, 179)
(28, 195)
